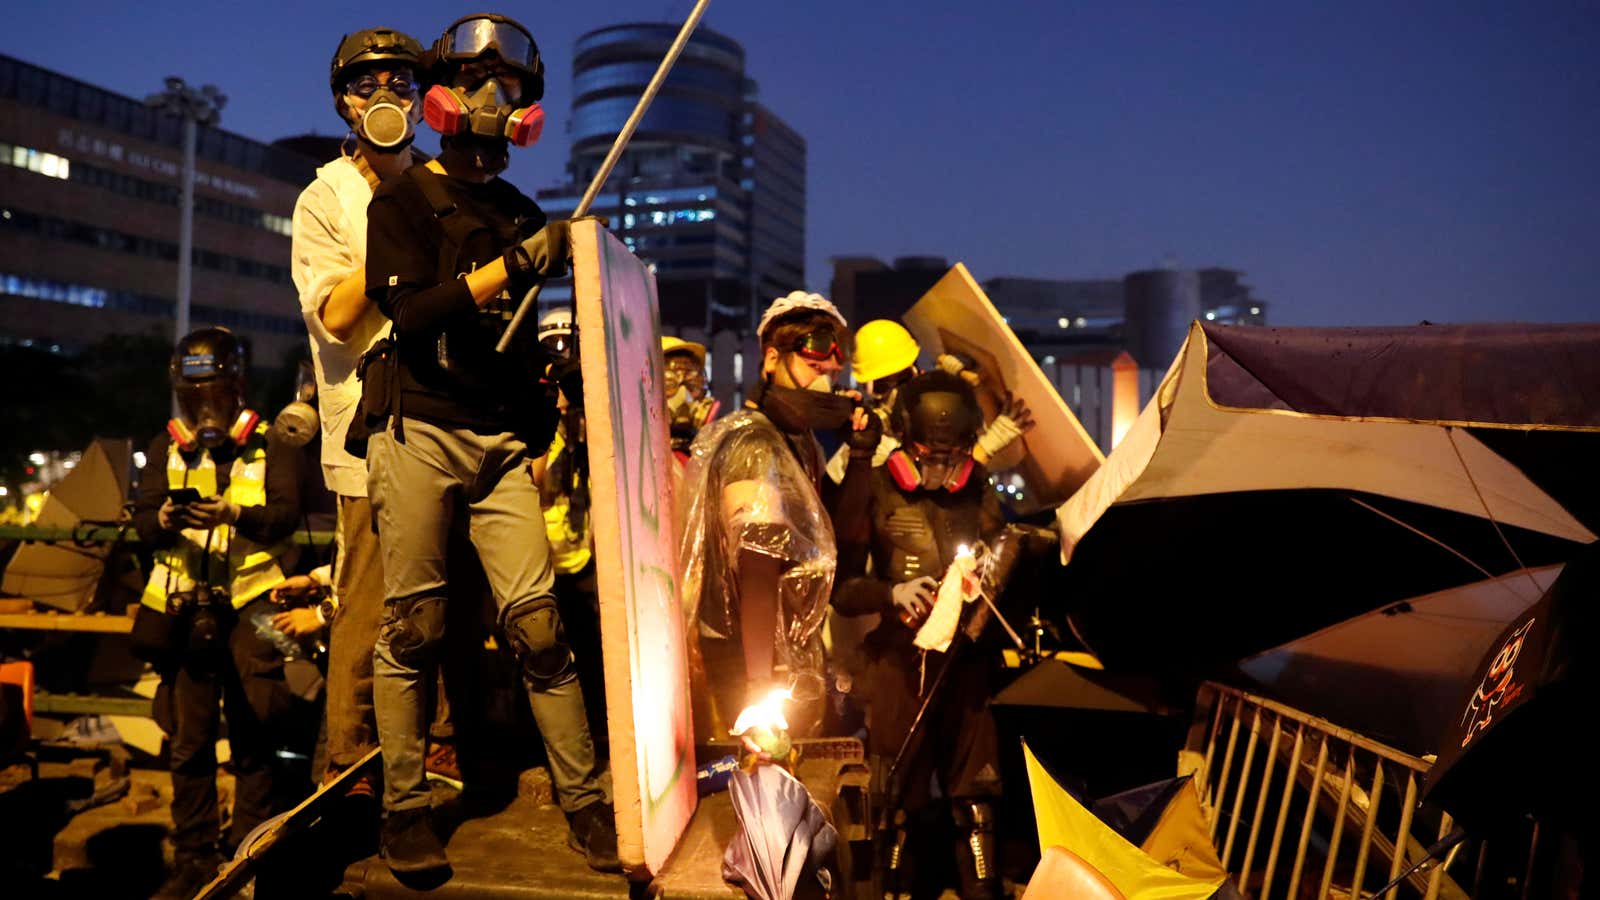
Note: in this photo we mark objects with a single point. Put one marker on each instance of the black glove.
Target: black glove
(567, 374)
(864, 442)
(543, 254)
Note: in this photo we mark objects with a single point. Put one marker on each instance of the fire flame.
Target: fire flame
(767, 713)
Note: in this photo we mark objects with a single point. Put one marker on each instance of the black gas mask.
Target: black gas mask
(207, 374)
(484, 118)
(938, 418)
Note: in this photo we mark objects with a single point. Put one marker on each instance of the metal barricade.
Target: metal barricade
(1282, 788)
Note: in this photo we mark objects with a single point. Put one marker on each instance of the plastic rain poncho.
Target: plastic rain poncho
(744, 490)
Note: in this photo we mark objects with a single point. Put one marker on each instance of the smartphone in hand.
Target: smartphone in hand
(183, 496)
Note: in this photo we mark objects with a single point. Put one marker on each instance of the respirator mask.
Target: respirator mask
(385, 123)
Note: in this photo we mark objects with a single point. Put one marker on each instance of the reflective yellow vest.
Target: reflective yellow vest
(570, 548)
(247, 569)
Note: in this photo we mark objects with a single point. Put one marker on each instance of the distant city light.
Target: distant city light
(1211, 315)
(1255, 310)
(1049, 360)
(36, 458)
(4, 491)
(1064, 322)
(139, 458)
(1080, 321)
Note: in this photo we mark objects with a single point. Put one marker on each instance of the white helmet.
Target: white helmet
(796, 300)
(555, 330)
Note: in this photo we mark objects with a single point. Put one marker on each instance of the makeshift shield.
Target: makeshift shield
(641, 619)
(956, 317)
(1395, 674)
(1515, 745)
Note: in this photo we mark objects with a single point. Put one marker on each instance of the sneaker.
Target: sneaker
(408, 843)
(440, 763)
(593, 832)
(189, 876)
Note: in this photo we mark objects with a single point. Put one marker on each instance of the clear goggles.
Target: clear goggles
(474, 37)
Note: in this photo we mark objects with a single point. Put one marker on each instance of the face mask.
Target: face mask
(947, 471)
(678, 403)
(296, 424)
(802, 409)
(210, 410)
(485, 112)
(386, 123)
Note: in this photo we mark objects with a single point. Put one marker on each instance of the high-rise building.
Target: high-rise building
(90, 182)
(1088, 335)
(711, 190)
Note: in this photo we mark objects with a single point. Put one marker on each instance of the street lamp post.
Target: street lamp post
(195, 108)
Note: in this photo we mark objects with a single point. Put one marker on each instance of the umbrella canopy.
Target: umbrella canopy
(784, 840)
(1396, 673)
(1282, 480)
(1514, 745)
(64, 575)
(1056, 684)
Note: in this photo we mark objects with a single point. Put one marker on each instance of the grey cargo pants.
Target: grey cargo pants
(418, 488)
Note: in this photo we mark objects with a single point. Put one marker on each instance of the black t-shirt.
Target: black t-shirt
(450, 374)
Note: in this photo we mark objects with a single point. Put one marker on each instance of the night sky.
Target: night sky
(1372, 163)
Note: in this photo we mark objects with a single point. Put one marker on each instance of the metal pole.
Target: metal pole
(186, 227)
(617, 146)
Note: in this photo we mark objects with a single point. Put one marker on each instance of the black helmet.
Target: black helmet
(207, 374)
(371, 46)
(939, 411)
(470, 37)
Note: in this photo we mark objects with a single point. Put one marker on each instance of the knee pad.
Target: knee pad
(413, 628)
(539, 641)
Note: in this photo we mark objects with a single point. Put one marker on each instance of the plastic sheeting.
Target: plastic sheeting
(744, 491)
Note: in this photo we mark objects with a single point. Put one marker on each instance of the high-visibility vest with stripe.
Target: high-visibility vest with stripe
(570, 548)
(228, 559)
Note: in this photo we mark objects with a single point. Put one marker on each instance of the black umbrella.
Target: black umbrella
(1282, 480)
(785, 843)
(1517, 744)
(1057, 685)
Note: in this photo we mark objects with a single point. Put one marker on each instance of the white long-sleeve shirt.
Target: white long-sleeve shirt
(330, 243)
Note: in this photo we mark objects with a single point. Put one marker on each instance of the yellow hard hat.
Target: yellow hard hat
(670, 344)
(883, 347)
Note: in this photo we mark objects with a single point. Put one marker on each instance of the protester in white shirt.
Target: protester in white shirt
(375, 77)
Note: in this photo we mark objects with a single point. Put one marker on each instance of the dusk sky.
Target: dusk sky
(1371, 163)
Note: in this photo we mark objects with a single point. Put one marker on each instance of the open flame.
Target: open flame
(766, 713)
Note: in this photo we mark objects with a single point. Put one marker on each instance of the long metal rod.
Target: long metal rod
(617, 146)
(1289, 777)
(1261, 800)
(1244, 782)
(1312, 799)
(1398, 859)
(1374, 796)
(1227, 764)
(1338, 823)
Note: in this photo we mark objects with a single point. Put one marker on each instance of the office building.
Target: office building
(711, 190)
(90, 182)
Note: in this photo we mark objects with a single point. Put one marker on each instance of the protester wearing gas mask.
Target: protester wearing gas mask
(930, 503)
(457, 426)
(375, 77)
(757, 546)
(217, 501)
(689, 406)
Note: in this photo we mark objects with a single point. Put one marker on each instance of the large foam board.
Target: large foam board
(955, 316)
(641, 618)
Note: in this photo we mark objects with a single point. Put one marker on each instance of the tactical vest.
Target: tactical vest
(916, 533)
(228, 559)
